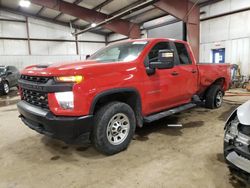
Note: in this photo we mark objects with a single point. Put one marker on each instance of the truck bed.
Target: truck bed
(210, 72)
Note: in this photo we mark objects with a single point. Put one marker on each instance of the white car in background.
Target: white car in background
(237, 141)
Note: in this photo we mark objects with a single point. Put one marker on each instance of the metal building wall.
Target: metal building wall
(55, 42)
(231, 32)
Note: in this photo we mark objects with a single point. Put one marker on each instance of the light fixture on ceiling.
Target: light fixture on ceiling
(24, 3)
(93, 25)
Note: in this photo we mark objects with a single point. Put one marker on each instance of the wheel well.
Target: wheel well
(6, 82)
(132, 98)
(219, 81)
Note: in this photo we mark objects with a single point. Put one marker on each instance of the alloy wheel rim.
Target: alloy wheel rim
(6, 88)
(219, 99)
(118, 129)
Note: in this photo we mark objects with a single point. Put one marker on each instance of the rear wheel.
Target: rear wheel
(114, 128)
(214, 97)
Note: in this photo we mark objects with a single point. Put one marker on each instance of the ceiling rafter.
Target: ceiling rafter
(127, 7)
(130, 6)
(141, 13)
(118, 25)
(60, 14)
(35, 16)
(98, 7)
(41, 10)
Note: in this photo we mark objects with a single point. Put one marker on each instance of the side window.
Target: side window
(183, 54)
(10, 68)
(153, 54)
(14, 69)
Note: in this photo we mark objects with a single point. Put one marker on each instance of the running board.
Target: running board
(170, 112)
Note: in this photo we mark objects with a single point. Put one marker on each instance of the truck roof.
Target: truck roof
(152, 39)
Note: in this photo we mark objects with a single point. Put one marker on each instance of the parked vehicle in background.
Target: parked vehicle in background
(121, 86)
(237, 140)
(9, 76)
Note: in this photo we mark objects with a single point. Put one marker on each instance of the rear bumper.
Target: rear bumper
(71, 130)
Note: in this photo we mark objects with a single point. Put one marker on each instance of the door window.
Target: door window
(153, 54)
(183, 54)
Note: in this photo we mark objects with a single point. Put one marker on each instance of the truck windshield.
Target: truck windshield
(122, 52)
(2, 71)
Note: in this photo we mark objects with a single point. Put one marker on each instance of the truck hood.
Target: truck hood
(58, 69)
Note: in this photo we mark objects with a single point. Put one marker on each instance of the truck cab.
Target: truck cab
(119, 87)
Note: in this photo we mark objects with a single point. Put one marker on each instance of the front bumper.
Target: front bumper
(72, 130)
(237, 154)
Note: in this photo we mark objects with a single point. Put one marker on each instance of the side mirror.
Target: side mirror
(87, 56)
(165, 60)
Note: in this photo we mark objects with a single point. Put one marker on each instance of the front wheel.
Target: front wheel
(6, 88)
(214, 97)
(114, 128)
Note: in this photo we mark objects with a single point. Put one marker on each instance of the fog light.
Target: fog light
(65, 99)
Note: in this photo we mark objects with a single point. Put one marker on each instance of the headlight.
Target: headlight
(65, 99)
(74, 79)
(233, 129)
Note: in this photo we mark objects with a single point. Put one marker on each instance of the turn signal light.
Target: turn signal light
(75, 79)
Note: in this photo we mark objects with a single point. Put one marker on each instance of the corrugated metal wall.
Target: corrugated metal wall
(231, 32)
(16, 52)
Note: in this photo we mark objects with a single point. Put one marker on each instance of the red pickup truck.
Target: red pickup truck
(121, 86)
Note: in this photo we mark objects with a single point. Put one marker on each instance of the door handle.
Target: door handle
(175, 73)
(194, 71)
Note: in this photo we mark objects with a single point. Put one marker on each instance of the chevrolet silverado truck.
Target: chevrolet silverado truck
(121, 86)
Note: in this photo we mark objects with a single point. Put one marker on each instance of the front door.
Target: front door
(163, 89)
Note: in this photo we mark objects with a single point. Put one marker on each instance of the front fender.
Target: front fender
(243, 113)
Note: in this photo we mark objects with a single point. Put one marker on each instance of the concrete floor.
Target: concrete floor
(159, 156)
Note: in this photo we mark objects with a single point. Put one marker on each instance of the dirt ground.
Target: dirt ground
(159, 156)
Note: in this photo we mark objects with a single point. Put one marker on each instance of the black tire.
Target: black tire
(211, 100)
(103, 122)
(5, 91)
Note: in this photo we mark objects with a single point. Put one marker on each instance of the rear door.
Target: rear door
(187, 72)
